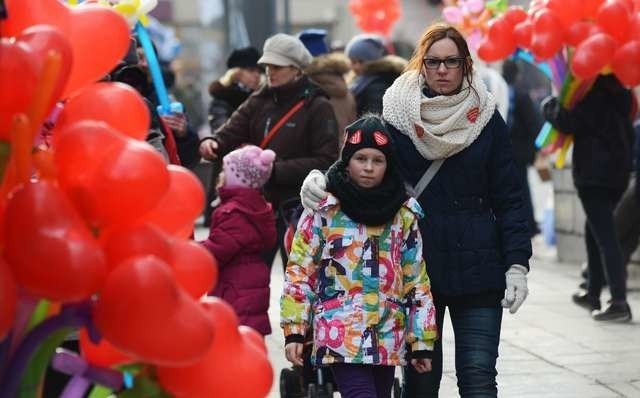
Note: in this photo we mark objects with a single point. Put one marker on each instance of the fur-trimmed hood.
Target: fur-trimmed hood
(387, 64)
(334, 63)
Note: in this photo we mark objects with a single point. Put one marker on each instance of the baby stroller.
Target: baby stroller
(308, 381)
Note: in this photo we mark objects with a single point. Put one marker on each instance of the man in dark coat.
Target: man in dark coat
(601, 124)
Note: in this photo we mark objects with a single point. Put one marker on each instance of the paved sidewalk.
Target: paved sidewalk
(551, 348)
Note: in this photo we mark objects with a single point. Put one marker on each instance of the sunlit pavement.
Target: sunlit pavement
(550, 348)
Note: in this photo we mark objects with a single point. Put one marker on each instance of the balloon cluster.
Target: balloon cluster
(599, 33)
(578, 40)
(375, 16)
(94, 230)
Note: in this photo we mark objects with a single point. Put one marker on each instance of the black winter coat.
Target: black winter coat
(602, 128)
(377, 77)
(524, 123)
(475, 224)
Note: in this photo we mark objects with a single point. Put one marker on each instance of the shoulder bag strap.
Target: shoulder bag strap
(427, 177)
(274, 130)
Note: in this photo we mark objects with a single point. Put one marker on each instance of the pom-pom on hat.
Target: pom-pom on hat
(367, 132)
(249, 166)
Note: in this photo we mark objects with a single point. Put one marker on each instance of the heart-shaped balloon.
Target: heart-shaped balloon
(592, 55)
(186, 189)
(625, 63)
(232, 353)
(101, 354)
(145, 314)
(110, 178)
(579, 31)
(194, 267)
(99, 36)
(21, 64)
(8, 300)
(49, 249)
(117, 104)
(140, 240)
(18, 79)
(548, 34)
(614, 18)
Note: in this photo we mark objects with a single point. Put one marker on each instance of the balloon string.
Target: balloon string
(71, 316)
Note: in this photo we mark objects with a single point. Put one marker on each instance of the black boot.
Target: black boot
(615, 312)
(585, 300)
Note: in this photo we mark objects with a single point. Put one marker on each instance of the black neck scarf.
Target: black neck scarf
(369, 206)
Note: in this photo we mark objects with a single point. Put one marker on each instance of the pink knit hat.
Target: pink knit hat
(248, 166)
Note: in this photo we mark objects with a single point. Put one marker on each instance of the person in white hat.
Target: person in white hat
(289, 115)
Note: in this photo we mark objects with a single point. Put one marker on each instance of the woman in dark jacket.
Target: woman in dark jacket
(307, 140)
(602, 127)
(475, 234)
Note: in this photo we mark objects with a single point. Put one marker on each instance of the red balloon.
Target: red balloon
(117, 104)
(567, 11)
(514, 15)
(522, 32)
(145, 314)
(499, 42)
(111, 179)
(232, 353)
(579, 31)
(99, 36)
(101, 354)
(254, 337)
(125, 242)
(590, 8)
(625, 63)
(592, 55)
(8, 299)
(19, 74)
(182, 203)
(194, 267)
(48, 247)
(613, 18)
(21, 65)
(548, 34)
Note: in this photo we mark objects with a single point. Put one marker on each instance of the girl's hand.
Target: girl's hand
(293, 352)
(422, 365)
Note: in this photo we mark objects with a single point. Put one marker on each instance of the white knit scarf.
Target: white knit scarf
(440, 126)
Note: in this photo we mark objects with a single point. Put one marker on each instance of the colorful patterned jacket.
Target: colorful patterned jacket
(365, 290)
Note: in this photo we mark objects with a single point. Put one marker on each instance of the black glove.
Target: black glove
(550, 108)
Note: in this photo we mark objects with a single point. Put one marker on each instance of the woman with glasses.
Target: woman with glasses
(476, 238)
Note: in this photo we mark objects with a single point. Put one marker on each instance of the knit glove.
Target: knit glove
(314, 190)
(516, 292)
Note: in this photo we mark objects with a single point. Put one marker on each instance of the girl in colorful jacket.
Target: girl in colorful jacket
(356, 275)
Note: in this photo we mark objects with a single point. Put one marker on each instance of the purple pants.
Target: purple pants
(363, 381)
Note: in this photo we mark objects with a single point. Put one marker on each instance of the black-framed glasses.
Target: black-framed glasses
(449, 63)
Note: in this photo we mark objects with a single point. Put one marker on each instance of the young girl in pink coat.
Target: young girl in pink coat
(242, 228)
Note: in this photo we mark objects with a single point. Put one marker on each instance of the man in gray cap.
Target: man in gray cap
(290, 115)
